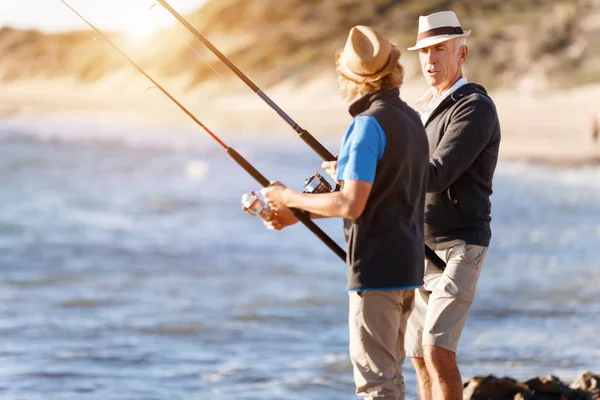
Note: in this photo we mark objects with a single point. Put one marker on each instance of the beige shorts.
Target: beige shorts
(442, 305)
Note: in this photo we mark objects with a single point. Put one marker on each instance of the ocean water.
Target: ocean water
(128, 271)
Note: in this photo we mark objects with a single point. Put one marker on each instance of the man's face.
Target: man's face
(441, 63)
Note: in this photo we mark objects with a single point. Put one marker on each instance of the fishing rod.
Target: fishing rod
(316, 179)
(302, 133)
(241, 161)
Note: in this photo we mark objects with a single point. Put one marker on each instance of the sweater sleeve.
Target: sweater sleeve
(469, 131)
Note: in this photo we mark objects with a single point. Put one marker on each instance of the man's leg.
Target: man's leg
(408, 299)
(375, 320)
(450, 300)
(414, 335)
(443, 372)
(423, 378)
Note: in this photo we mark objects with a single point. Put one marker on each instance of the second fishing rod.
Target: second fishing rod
(241, 161)
(313, 184)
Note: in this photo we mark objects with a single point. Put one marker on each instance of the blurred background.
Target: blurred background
(129, 271)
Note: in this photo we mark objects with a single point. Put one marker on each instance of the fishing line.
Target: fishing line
(302, 133)
(312, 182)
(204, 61)
(194, 50)
(241, 161)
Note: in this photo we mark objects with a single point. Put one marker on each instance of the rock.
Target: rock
(587, 381)
(545, 385)
(587, 387)
(521, 396)
(491, 388)
(576, 394)
(550, 387)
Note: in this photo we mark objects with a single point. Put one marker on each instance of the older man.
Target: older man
(464, 137)
(383, 169)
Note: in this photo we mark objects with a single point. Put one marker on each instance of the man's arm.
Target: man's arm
(283, 218)
(466, 136)
(317, 216)
(362, 147)
(348, 203)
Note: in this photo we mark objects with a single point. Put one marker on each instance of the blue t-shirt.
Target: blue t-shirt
(362, 147)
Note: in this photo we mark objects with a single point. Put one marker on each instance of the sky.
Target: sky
(127, 15)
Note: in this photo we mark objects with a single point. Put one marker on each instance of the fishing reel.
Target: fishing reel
(256, 206)
(316, 184)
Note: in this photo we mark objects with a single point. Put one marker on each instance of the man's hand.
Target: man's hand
(275, 195)
(280, 219)
(330, 168)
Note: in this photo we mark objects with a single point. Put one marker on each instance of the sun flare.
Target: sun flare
(142, 29)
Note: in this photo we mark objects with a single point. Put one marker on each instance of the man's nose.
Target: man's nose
(431, 58)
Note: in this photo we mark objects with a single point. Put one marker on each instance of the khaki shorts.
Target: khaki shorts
(442, 305)
(377, 322)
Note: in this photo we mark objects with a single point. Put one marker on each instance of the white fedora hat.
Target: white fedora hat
(437, 28)
(367, 56)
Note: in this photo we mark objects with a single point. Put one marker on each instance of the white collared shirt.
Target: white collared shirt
(427, 104)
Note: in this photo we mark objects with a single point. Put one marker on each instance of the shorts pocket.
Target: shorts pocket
(444, 286)
(460, 277)
(475, 255)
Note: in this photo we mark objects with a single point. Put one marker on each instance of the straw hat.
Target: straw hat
(437, 28)
(367, 56)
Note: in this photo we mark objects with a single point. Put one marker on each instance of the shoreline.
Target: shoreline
(536, 128)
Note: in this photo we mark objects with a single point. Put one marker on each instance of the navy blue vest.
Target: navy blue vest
(385, 244)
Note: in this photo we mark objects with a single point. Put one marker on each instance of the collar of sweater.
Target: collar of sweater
(430, 100)
(456, 96)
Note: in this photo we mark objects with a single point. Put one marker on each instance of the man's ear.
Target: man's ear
(464, 52)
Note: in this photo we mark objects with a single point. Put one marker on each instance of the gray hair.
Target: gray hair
(458, 43)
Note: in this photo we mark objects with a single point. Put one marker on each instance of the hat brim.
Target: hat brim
(431, 41)
(343, 69)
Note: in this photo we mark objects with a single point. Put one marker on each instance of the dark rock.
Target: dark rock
(576, 395)
(492, 388)
(550, 387)
(587, 387)
(545, 385)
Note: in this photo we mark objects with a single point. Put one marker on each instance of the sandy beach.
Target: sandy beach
(553, 127)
